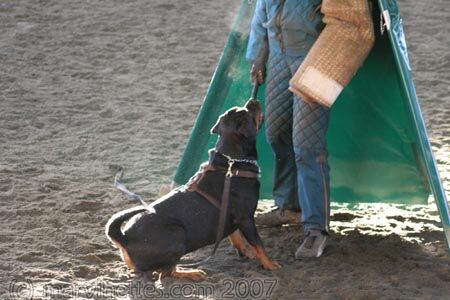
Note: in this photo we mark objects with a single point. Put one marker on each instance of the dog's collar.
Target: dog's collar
(232, 161)
(239, 160)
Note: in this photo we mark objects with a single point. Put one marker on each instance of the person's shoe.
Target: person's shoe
(312, 244)
(278, 217)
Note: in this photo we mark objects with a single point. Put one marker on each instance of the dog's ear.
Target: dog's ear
(243, 124)
(247, 128)
(223, 118)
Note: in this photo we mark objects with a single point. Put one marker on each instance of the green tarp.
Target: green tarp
(378, 145)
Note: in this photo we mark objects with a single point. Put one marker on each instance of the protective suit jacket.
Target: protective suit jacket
(284, 26)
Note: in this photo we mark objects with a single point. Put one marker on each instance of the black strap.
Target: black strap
(254, 92)
(223, 212)
(222, 221)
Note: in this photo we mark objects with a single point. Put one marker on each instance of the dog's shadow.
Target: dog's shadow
(224, 270)
(352, 257)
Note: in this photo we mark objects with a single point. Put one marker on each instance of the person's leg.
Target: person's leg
(278, 120)
(309, 138)
(310, 126)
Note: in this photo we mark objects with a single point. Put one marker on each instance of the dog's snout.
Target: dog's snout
(253, 104)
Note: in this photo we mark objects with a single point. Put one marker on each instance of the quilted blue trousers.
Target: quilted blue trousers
(296, 131)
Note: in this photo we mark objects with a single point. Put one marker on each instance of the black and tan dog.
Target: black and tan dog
(156, 237)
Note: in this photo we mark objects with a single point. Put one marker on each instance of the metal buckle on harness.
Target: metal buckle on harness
(230, 165)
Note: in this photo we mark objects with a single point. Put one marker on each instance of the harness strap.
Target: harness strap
(244, 174)
(192, 185)
(223, 212)
(194, 188)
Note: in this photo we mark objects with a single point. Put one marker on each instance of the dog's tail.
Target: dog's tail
(112, 228)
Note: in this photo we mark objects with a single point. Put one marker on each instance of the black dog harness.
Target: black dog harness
(192, 186)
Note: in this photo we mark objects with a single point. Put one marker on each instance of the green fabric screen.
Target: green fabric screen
(377, 142)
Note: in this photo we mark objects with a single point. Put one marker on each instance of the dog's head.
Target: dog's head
(239, 126)
(244, 121)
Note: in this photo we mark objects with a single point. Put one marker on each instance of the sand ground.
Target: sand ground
(86, 86)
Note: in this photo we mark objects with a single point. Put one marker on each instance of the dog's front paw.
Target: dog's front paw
(249, 254)
(245, 252)
(192, 274)
(197, 275)
(271, 265)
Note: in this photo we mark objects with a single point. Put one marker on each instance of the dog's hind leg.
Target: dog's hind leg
(156, 247)
(125, 256)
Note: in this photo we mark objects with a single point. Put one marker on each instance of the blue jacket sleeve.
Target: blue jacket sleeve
(258, 47)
